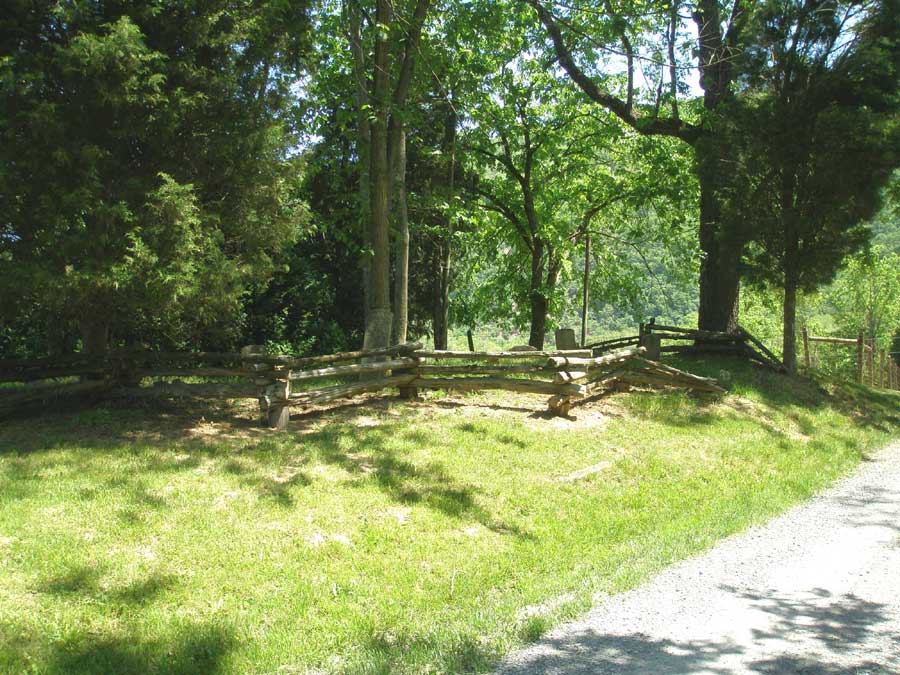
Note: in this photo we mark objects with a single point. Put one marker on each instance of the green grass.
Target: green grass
(390, 538)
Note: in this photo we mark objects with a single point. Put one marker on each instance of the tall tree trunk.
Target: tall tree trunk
(441, 317)
(401, 233)
(444, 244)
(94, 336)
(720, 274)
(790, 323)
(537, 298)
(791, 281)
(353, 15)
(378, 328)
(585, 287)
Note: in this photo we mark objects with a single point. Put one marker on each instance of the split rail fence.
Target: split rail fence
(280, 383)
(883, 373)
(660, 339)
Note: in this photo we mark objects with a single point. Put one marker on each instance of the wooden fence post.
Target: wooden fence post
(881, 361)
(872, 361)
(471, 341)
(273, 400)
(806, 358)
(860, 353)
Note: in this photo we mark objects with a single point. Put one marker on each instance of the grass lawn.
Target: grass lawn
(386, 537)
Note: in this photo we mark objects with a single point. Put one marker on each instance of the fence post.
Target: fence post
(806, 359)
(273, 400)
(860, 353)
(881, 361)
(471, 341)
(872, 361)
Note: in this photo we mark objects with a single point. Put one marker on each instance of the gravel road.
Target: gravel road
(816, 591)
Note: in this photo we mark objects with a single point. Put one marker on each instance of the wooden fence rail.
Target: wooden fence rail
(886, 374)
(280, 383)
(739, 343)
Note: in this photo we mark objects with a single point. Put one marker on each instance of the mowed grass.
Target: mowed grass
(389, 538)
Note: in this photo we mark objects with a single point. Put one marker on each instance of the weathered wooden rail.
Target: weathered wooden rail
(886, 374)
(280, 383)
(653, 337)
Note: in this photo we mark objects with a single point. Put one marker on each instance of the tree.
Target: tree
(865, 295)
(552, 172)
(145, 181)
(601, 44)
(816, 139)
(382, 139)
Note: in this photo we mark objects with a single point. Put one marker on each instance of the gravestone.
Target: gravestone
(565, 339)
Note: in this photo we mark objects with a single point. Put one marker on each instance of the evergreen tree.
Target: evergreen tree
(144, 173)
(816, 138)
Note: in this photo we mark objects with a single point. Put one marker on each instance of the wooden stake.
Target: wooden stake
(860, 350)
(806, 358)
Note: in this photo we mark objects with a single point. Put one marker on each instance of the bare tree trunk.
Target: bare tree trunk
(364, 139)
(585, 287)
(789, 357)
(441, 316)
(401, 234)
(720, 275)
(537, 298)
(378, 328)
(790, 267)
(94, 336)
(444, 246)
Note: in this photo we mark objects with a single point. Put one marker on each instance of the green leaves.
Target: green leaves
(144, 150)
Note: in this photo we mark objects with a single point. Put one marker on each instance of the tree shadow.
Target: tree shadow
(193, 648)
(84, 580)
(836, 625)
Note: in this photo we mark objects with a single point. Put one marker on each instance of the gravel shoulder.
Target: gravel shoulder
(815, 591)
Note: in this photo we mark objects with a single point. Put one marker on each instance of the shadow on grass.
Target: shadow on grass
(259, 459)
(387, 653)
(83, 580)
(193, 648)
(794, 398)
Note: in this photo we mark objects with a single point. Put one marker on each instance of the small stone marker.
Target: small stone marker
(565, 339)
(651, 343)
